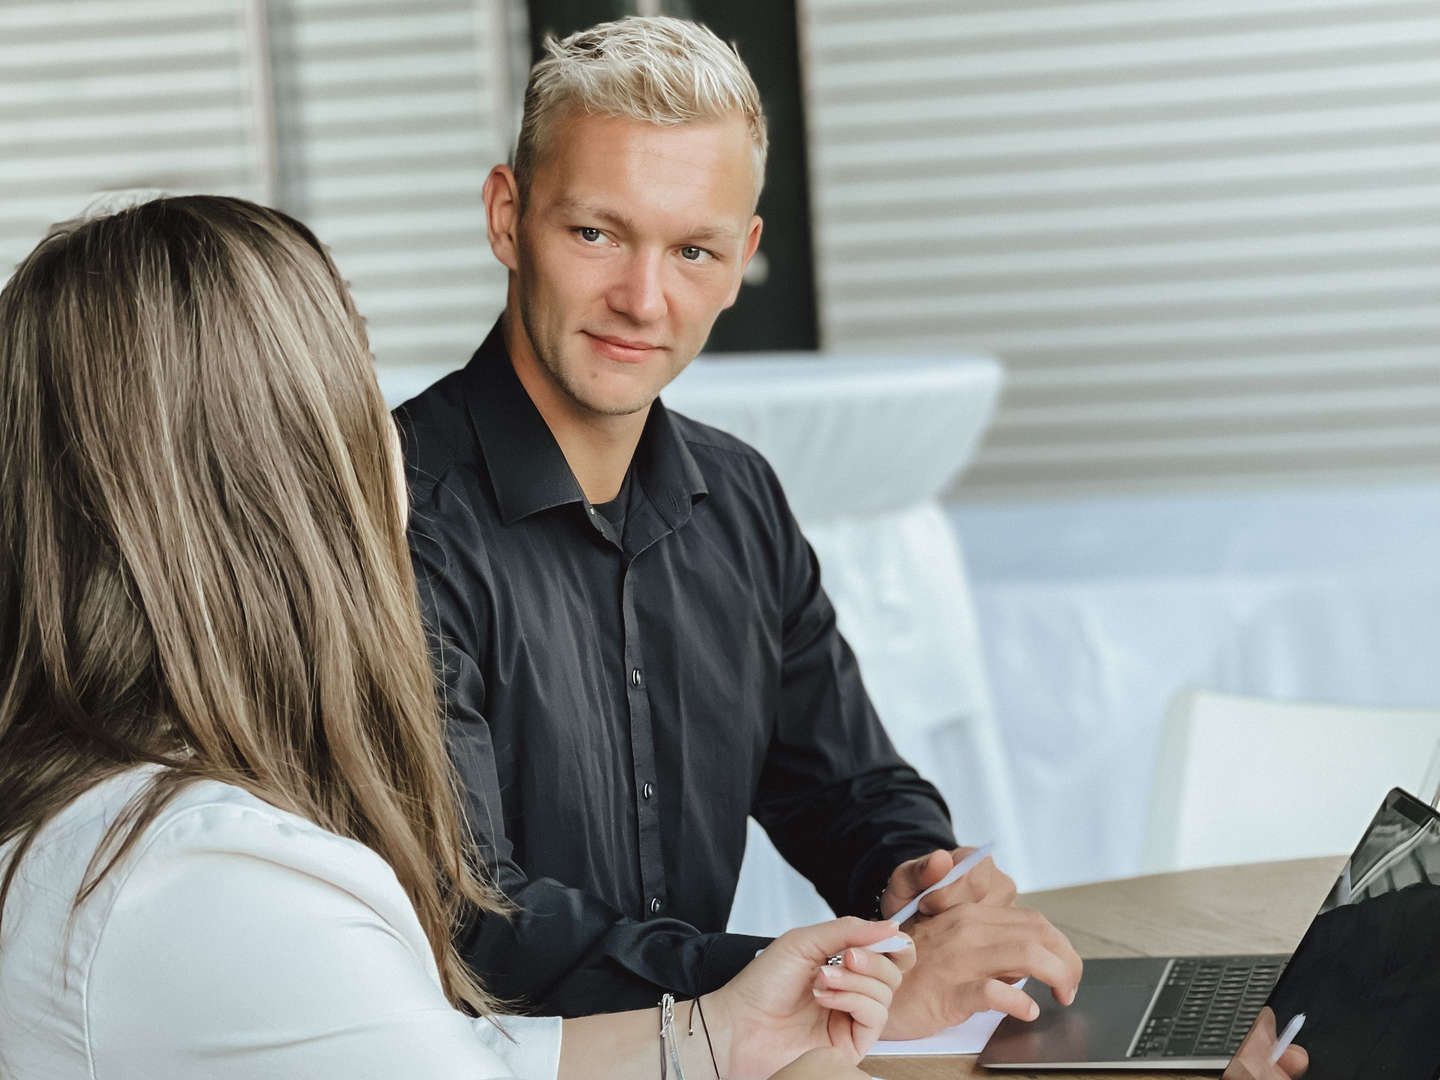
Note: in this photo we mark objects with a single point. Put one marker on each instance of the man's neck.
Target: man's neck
(597, 448)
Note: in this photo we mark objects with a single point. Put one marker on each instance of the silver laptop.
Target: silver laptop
(1366, 975)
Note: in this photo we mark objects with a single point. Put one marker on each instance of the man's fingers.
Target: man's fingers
(985, 924)
(993, 885)
(913, 877)
(984, 883)
(1054, 948)
(1034, 960)
(987, 994)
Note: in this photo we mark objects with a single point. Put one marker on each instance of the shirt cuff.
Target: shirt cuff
(528, 1045)
(725, 956)
(874, 880)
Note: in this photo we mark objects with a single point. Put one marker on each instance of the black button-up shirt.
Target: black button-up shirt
(620, 701)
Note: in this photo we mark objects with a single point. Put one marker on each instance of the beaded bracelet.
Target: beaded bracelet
(708, 1044)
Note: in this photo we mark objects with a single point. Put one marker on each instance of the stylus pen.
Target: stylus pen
(900, 941)
(959, 870)
(1287, 1037)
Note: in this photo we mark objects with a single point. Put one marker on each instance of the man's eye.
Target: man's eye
(588, 234)
(691, 253)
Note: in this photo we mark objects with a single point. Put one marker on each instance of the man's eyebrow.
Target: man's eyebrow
(591, 210)
(709, 234)
(700, 233)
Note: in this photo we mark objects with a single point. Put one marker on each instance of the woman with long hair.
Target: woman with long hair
(230, 843)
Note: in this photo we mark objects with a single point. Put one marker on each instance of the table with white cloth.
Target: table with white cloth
(1096, 611)
(864, 447)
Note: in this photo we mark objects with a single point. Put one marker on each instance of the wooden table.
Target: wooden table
(1258, 908)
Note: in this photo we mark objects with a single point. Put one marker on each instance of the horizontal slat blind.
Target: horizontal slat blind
(99, 97)
(389, 116)
(1204, 238)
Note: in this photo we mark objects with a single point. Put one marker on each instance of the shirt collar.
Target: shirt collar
(667, 470)
(527, 469)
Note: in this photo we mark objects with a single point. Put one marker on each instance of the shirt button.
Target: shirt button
(647, 790)
(590, 510)
(654, 905)
(635, 677)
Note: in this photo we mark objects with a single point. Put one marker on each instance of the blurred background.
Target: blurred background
(1097, 342)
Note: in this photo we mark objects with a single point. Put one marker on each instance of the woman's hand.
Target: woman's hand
(788, 1000)
(1252, 1060)
(823, 1064)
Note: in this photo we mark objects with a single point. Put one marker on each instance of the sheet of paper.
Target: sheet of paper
(967, 1038)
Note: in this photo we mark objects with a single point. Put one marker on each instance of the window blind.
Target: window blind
(1202, 237)
(100, 98)
(374, 121)
(389, 116)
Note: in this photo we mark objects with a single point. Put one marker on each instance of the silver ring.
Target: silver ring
(835, 961)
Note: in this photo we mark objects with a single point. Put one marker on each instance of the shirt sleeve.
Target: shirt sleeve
(243, 943)
(562, 950)
(830, 769)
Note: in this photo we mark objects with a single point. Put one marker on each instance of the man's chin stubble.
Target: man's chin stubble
(600, 408)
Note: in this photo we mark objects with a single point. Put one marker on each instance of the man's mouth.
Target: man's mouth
(618, 348)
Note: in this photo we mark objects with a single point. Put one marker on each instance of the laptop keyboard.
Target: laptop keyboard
(1207, 1005)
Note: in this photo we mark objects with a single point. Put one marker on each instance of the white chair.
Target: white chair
(1248, 780)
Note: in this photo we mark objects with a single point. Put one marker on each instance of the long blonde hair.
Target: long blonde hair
(206, 564)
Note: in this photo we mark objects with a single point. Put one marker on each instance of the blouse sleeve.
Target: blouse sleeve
(237, 941)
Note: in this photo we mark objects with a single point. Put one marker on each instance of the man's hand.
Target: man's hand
(971, 944)
(984, 884)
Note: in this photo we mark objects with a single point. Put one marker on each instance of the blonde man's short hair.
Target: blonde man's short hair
(654, 68)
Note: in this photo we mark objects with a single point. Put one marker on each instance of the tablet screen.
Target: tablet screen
(1366, 976)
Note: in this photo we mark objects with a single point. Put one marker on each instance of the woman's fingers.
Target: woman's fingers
(825, 1063)
(829, 938)
(883, 966)
(1294, 1061)
(841, 979)
(862, 1008)
(858, 993)
(856, 1020)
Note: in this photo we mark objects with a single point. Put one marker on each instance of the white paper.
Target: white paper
(967, 1038)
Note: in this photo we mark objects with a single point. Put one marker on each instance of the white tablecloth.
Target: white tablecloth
(849, 436)
(1095, 612)
(864, 447)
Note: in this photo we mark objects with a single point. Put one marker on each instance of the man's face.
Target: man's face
(632, 239)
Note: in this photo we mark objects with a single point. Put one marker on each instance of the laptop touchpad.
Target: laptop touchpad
(1098, 1027)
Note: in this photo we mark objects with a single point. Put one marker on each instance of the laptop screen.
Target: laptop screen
(1366, 976)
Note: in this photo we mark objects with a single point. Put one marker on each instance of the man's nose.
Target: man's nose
(640, 291)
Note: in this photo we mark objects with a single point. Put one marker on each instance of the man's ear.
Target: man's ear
(502, 215)
(752, 244)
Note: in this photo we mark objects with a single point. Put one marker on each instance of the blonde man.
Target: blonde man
(635, 644)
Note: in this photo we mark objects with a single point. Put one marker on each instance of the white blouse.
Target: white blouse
(234, 940)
